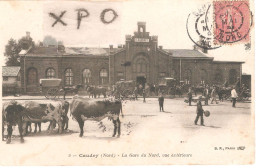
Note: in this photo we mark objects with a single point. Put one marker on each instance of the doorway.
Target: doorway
(140, 81)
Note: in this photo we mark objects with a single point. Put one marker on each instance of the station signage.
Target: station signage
(145, 40)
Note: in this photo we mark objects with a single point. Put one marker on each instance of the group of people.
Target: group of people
(212, 95)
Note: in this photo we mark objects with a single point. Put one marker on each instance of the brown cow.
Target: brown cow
(90, 109)
(35, 112)
(11, 115)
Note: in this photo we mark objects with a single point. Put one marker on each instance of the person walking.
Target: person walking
(199, 112)
(190, 96)
(136, 93)
(161, 101)
(234, 96)
(213, 95)
(144, 95)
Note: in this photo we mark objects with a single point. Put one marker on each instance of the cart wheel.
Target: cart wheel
(52, 93)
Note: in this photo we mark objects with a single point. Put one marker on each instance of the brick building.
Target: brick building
(139, 59)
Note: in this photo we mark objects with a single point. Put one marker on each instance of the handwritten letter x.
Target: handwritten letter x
(58, 19)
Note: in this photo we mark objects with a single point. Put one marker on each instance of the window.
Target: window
(141, 66)
(68, 77)
(32, 76)
(103, 76)
(218, 76)
(162, 74)
(5, 78)
(120, 75)
(203, 76)
(173, 73)
(232, 76)
(187, 76)
(86, 75)
(50, 73)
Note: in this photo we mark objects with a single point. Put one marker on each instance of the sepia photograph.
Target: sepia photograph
(106, 83)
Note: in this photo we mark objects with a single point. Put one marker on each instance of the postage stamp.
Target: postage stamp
(232, 21)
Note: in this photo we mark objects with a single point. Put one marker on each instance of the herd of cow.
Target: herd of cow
(56, 112)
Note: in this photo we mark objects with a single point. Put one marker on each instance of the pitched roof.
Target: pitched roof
(10, 70)
(186, 53)
(84, 51)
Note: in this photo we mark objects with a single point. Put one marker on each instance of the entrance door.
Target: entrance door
(140, 81)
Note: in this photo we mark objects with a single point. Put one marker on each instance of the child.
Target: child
(161, 101)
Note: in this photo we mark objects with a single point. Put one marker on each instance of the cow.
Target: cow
(90, 109)
(65, 118)
(36, 113)
(12, 114)
(96, 91)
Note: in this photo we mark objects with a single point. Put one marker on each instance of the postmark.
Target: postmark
(232, 21)
(199, 27)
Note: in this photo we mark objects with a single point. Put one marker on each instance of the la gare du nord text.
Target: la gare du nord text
(84, 13)
(111, 155)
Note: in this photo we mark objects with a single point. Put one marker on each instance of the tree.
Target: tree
(49, 40)
(12, 50)
(26, 42)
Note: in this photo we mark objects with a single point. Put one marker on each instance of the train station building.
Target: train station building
(139, 59)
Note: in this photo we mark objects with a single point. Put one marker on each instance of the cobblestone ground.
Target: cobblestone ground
(145, 129)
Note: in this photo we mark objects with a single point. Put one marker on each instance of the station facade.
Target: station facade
(139, 59)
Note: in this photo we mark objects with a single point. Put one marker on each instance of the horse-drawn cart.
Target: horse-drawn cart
(124, 89)
(50, 87)
(167, 86)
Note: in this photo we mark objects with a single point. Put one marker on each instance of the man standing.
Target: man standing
(199, 113)
(136, 92)
(161, 101)
(213, 95)
(234, 96)
(190, 96)
(206, 94)
(144, 94)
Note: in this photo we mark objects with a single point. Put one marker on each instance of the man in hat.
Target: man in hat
(234, 96)
(144, 95)
(161, 101)
(206, 95)
(190, 96)
(199, 113)
(213, 95)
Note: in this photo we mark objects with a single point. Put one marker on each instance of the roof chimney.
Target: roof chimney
(111, 46)
(160, 47)
(28, 35)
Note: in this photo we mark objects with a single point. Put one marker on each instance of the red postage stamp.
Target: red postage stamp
(232, 21)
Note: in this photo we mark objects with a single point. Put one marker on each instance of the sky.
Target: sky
(164, 18)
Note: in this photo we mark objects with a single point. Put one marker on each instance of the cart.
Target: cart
(50, 87)
(166, 86)
(124, 89)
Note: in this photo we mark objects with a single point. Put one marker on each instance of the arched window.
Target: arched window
(232, 76)
(68, 77)
(86, 75)
(203, 76)
(32, 76)
(173, 73)
(50, 73)
(103, 76)
(187, 76)
(218, 76)
(141, 66)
